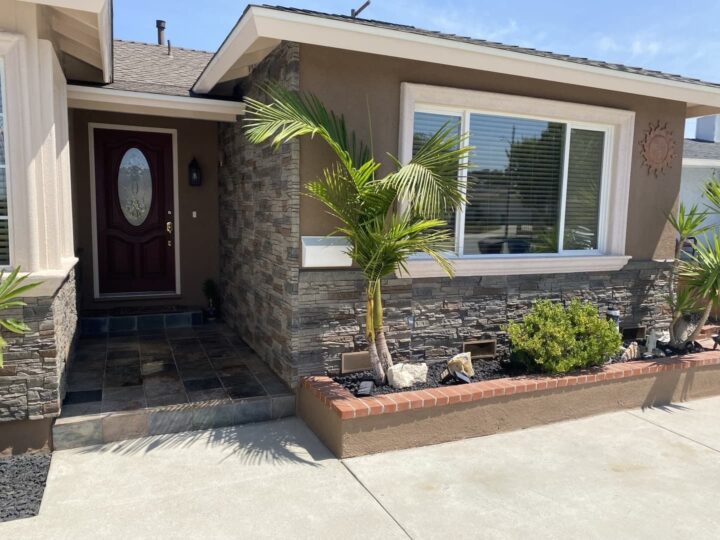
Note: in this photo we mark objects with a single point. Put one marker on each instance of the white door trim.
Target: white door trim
(92, 126)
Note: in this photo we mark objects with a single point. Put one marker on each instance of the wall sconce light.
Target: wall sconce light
(195, 173)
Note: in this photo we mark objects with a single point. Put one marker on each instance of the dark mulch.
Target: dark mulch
(22, 483)
(484, 370)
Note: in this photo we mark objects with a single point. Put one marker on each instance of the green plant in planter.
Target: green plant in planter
(702, 272)
(12, 288)
(212, 293)
(386, 219)
(556, 339)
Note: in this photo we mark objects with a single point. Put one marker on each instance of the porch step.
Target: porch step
(92, 429)
(95, 324)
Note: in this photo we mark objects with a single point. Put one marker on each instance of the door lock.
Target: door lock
(169, 227)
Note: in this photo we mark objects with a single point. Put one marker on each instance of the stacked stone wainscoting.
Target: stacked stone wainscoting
(260, 226)
(429, 319)
(32, 379)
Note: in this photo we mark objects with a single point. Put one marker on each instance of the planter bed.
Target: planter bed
(352, 426)
(22, 484)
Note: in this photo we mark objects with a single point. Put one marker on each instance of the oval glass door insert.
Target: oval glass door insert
(135, 187)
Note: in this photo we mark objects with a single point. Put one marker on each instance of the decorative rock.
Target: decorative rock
(404, 375)
(463, 363)
(632, 352)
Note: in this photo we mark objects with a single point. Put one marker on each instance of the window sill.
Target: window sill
(519, 265)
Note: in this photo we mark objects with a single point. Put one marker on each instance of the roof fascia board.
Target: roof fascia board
(95, 6)
(693, 111)
(102, 99)
(240, 39)
(700, 162)
(324, 32)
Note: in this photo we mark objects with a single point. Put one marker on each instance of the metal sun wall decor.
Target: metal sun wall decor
(657, 148)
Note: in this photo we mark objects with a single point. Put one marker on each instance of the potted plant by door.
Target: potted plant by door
(212, 294)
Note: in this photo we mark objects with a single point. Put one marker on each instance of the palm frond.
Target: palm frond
(702, 269)
(291, 114)
(430, 180)
(711, 192)
(688, 222)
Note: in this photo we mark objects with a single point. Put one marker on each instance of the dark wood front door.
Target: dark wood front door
(135, 211)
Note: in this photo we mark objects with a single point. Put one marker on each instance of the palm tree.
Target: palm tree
(386, 220)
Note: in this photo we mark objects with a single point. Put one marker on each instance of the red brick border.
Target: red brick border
(347, 406)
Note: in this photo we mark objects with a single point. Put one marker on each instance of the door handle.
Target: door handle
(169, 227)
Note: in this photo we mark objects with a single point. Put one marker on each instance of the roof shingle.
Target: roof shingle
(145, 67)
(696, 149)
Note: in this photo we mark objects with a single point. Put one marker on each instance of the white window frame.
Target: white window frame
(5, 162)
(618, 126)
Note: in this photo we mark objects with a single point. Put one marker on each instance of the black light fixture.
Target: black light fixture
(195, 173)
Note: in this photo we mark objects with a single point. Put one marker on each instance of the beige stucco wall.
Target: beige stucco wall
(351, 83)
(198, 236)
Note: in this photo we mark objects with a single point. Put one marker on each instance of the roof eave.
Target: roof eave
(106, 99)
(267, 23)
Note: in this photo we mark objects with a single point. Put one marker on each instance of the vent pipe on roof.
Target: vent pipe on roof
(355, 12)
(160, 25)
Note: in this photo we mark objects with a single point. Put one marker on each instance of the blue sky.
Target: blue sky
(668, 35)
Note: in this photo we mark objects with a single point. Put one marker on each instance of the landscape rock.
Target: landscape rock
(632, 352)
(404, 375)
(463, 363)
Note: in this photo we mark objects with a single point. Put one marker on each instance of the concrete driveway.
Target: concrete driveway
(637, 474)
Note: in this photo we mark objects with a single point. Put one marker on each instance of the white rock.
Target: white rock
(461, 362)
(405, 375)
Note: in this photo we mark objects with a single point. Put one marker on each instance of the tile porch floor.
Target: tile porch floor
(168, 367)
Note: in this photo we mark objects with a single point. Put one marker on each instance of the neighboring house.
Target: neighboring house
(701, 162)
(577, 162)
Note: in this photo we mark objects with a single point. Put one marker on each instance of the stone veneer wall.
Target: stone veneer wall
(429, 319)
(32, 379)
(260, 226)
(300, 322)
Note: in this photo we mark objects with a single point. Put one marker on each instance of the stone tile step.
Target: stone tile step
(94, 325)
(91, 429)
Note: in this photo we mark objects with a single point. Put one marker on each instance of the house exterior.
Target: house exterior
(701, 162)
(576, 164)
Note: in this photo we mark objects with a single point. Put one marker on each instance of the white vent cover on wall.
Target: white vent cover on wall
(325, 252)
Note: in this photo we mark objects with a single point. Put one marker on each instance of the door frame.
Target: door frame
(92, 126)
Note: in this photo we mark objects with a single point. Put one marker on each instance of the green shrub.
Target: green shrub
(556, 339)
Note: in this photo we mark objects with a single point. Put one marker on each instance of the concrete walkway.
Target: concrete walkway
(637, 474)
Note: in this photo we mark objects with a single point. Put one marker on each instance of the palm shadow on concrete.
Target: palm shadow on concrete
(286, 441)
(665, 387)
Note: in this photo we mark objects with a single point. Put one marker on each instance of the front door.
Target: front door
(134, 211)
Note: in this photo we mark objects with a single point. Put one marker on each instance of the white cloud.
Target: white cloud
(608, 44)
(645, 47)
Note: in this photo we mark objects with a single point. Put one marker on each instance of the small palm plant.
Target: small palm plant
(12, 288)
(688, 222)
(386, 220)
(702, 272)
